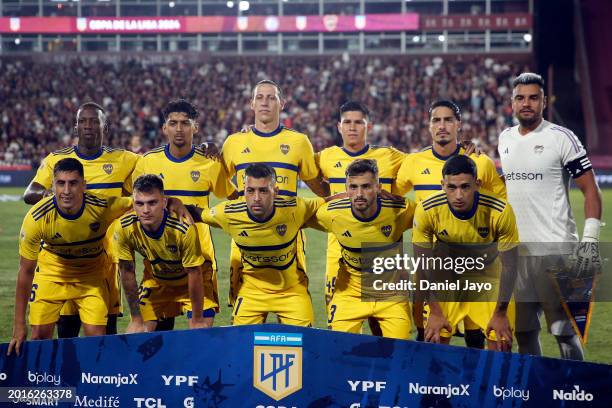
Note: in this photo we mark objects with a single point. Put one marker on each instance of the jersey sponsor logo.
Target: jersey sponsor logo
(347, 234)
(243, 234)
(426, 171)
(195, 175)
(538, 149)
(281, 229)
(277, 363)
(338, 165)
(172, 248)
(524, 176)
(483, 231)
(284, 148)
(574, 395)
(108, 168)
(246, 150)
(94, 226)
(386, 230)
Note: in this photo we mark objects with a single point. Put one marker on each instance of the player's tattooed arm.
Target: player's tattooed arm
(318, 186)
(35, 192)
(130, 287)
(22, 294)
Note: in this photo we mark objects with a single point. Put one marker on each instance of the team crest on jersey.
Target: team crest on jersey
(172, 248)
(538, 149)
(284, 148)
(386, 230)
(94, 226)
(277, 363)
(483, 231)
(195, 175)
(108, 168)
(281, 229)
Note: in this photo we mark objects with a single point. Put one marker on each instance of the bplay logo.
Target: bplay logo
(44, 378)
(574, 395)
(446, 390)
(503, 393)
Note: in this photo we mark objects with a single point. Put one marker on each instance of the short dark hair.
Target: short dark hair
(268, 82)
(92, 105)
(182, 106)
(447, 104)
(354, 106)
(528, 78)
(69, 164)
(361, 166)
(147, 183)
(459, 164)
(259, 171)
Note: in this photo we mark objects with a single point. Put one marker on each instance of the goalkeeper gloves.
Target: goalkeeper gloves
(587, 261)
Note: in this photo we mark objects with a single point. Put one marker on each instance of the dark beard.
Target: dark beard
(529, 123)
(443, 142)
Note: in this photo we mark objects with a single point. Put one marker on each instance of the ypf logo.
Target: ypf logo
(277, 363)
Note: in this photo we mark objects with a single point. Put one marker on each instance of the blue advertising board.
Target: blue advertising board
(265, 366)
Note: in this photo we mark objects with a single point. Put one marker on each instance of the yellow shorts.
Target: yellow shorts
(347, 312)
(113, 290)
(292, 306)
(236, 266)
(475, 315)
(48, 298)
(159, 301)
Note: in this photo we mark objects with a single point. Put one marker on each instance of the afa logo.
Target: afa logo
(277, 363)
(195, 175)
(483, 231)
(386, 230)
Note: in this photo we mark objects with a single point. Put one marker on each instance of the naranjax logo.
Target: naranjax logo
(117, 380)
(574, 395)
(447, 390)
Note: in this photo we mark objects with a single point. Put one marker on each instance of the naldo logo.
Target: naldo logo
(574, 395)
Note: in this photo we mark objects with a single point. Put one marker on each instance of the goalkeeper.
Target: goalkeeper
(538, 158)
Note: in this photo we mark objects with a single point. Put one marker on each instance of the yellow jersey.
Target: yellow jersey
(166, 252)
(356, 235)
(268, 247)
(71, 246)
(107, 172)
(334, 160)
(422, 171)
(289, 152)
(489, 227)
(191, 178)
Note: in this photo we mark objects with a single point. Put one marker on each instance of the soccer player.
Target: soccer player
(62, 240)
(469, 221)
(353, 125)
(289, 152)
(173, 260)
(538, 157)
(422, 172)
(364, 217)
(108, 172)
(191, 176)
(266, 229)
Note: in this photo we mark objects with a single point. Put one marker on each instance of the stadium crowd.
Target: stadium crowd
(38, 100)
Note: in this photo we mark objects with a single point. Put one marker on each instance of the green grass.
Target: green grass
(598, 348)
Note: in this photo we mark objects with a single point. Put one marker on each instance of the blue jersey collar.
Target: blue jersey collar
(170, 157)
(359, 153)
(272, 133)
(69, 216)
(445, 158)
(465, 215)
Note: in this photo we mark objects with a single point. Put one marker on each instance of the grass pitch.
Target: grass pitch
(598, 348)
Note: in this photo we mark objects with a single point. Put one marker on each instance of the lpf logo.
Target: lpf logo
(277, 363)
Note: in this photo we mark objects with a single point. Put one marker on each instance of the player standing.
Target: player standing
(173, 259)
(289, 152)
(364, 217)
(474, 222)
(191, 176)
(422, 172)
(538, 157)
(108, 172)
(266, 230)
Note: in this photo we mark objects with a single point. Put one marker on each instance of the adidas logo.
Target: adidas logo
(443, 233)
(57, 236)
(246, 150)
(337, 165)
(347, 234)
(243, 234)
(426, 171)
(506, 151)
